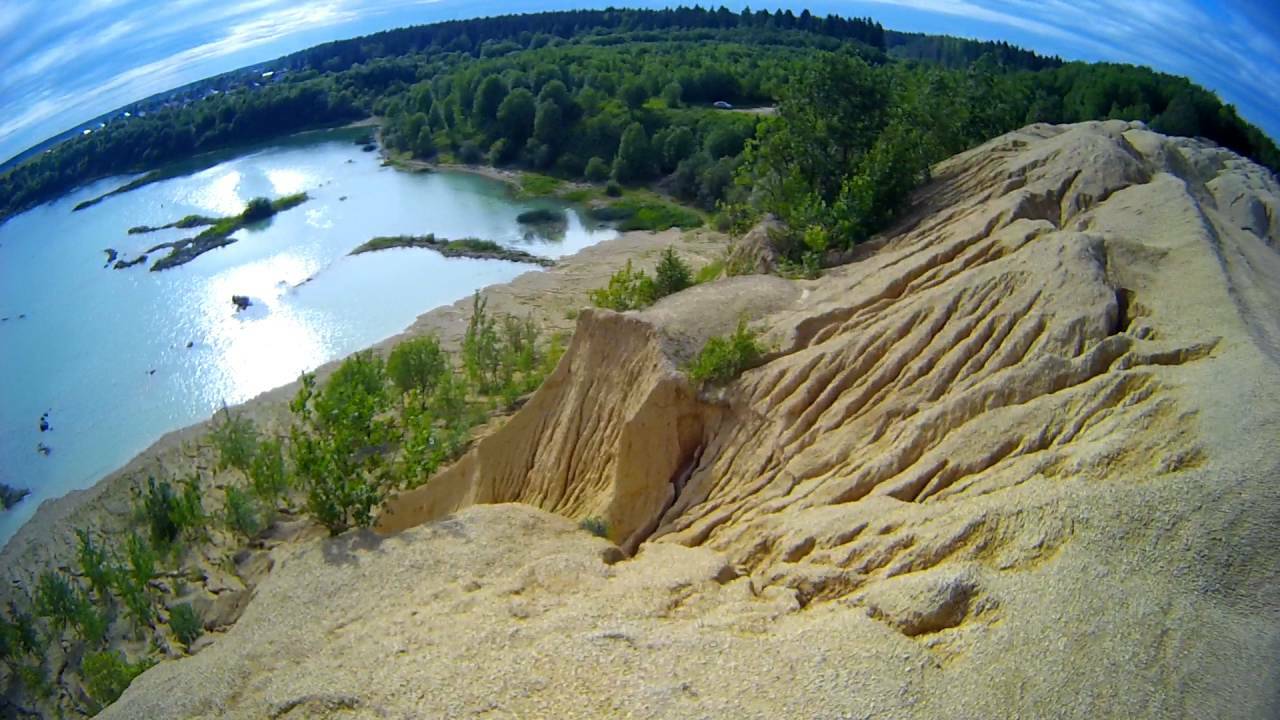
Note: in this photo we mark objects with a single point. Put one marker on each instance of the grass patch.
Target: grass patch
(475, 245)
(281, 204)
(646, 214)
(538, 185)
(579, 195)
(709, 272)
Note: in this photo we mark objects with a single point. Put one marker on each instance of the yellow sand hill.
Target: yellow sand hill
(1018, 459)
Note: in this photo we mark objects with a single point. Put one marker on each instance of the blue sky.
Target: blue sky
(63, 62)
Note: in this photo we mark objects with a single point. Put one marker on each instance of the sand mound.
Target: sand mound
(1019, 461)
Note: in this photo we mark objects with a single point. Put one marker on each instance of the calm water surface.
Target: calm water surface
(105, 353)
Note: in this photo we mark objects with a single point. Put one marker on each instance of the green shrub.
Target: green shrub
(469, 153)
(340, 494)
(596, 526)
(131, 583)
(519, 348)
(94, 564)
(724, 358)
(17, 636)
(268, 476)
(237, 441)
(107, 675)
(258, 208)
(185, 624)
(90, 622)
(339, 442)
(241, 513)
(613, 189)
(188, 508)
(808, 267)
(169, 515)
(597, 170)
(628, 289)
(417, 364)
(481, 354)
(158, 511)
(32, 677)
(499, 152)
(55, 600)
(672, 274)
(541, 216)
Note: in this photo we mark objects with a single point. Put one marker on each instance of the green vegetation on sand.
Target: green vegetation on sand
(219, 233)
(465, 247)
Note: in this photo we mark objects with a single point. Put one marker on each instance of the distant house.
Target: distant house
(268, 74)
(722, 105)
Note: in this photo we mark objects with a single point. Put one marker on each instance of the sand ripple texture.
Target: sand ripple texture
(1017, 459)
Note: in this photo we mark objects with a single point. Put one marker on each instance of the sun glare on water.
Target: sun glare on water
(287, 181)
(221, 196)
(268, 344)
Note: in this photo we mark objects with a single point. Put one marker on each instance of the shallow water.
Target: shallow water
(105, 353)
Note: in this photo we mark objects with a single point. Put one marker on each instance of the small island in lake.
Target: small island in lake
(189, 221)
(10, 496)
(217, 235)
(465, 247)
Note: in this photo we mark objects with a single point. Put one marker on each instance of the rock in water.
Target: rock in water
(1017, 461)
(10, 496)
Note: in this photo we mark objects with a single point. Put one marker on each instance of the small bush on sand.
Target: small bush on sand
(236, 439)
(242, 514)
(107, 675)
(724, 358)
(185, 624)
(596, 526)
(628, 289)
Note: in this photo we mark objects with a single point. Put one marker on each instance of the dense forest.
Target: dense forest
(627, 96)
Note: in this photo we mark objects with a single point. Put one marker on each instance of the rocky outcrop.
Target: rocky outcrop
(1018, 461)
(10, 496)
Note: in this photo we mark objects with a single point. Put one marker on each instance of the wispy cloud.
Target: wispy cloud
(43, 87)
(66, 61)
(1230, 46)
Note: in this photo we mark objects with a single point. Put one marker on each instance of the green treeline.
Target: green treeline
(853, 139)
(626, 95)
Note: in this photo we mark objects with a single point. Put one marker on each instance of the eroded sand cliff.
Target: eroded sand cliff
(1019, 460)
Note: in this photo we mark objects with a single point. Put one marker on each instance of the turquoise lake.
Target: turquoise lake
(105, 352)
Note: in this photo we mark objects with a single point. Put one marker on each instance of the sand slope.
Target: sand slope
(1019, 461)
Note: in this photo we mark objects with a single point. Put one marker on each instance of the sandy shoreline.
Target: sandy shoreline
(551, 297)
